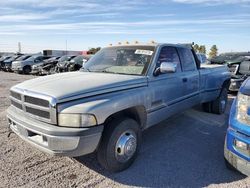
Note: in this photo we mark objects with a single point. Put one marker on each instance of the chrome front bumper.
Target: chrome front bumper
(53, 139)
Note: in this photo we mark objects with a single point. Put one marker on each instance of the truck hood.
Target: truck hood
(75, 85)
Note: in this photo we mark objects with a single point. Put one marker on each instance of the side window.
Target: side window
(187, 59)
(169, 54)
(38, 58)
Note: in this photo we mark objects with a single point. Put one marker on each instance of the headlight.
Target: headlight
(243, 104)
(76, 120)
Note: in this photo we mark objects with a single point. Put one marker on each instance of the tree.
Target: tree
(202, 49)
(213, 51)
(196, 48)
(199, 48)
(93, 50)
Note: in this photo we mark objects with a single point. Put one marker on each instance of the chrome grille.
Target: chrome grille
(16, 95)
(16, 104)
(35, 105)
(37, 112)
(36, 101)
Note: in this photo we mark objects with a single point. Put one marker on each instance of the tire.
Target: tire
(111, 150)
(219, 105)
(207, 107)
(26, 70)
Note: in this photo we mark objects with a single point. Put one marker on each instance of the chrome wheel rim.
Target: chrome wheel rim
(126, 146)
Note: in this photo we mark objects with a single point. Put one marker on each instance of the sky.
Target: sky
(82, 24)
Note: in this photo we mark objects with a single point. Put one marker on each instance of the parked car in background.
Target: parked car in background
(240, 70)
(24, 66)
(237, 141)
(225, 57)
(202, 57)
(76, 63)
(6, 64)
(43, 67)
(2, 59)
(121, 91)
(63, 62)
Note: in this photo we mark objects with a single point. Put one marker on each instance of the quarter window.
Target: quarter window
(187, 59)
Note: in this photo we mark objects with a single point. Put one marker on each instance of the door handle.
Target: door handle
(184, 79)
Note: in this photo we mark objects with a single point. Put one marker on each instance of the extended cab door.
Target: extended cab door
(166, 89)
(190, 77)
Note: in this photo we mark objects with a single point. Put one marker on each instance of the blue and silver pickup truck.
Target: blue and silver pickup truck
(120, 92)
(237, 142)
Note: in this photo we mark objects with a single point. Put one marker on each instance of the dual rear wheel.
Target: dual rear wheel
(218, 106)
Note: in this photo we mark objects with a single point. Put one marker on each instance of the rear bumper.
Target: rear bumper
(53, 139)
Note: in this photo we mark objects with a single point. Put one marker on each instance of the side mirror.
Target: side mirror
(167, 67)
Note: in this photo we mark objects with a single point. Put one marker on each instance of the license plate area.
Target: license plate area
(37, 138)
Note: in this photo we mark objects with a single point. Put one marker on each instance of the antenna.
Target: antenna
(66, 47)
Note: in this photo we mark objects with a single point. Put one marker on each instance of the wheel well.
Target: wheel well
(26, 66)
(137, 113)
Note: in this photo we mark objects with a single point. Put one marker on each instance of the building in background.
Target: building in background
(62, 52)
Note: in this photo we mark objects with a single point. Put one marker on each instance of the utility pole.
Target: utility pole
(19, 47)
(66, 47)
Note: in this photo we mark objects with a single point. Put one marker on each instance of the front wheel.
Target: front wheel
(119, 145)
(26, 70)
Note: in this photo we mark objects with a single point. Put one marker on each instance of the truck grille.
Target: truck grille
(36, 107)
(36, 101)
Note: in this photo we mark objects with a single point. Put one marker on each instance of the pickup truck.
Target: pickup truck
(237, 142)
(120, 91)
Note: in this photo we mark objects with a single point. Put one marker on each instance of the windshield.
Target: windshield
(5, 58)
(24, 57)
(77, 59)
(31, 58)
(131, 60)
(65, 58)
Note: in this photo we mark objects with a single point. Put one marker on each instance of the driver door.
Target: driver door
(166, 89)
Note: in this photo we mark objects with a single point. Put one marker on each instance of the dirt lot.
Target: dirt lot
(184, 151)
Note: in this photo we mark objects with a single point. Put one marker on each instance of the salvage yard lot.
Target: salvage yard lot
(184, 151)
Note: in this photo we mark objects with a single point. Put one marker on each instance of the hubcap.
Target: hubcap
(125, 146)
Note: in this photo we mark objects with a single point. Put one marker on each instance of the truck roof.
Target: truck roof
(153, 45)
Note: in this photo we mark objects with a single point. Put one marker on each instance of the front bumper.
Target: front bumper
(53, 139)
(238, 157)
(237, 162)
(16, 69)
(34, 71)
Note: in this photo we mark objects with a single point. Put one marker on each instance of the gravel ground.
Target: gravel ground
(184, 151)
